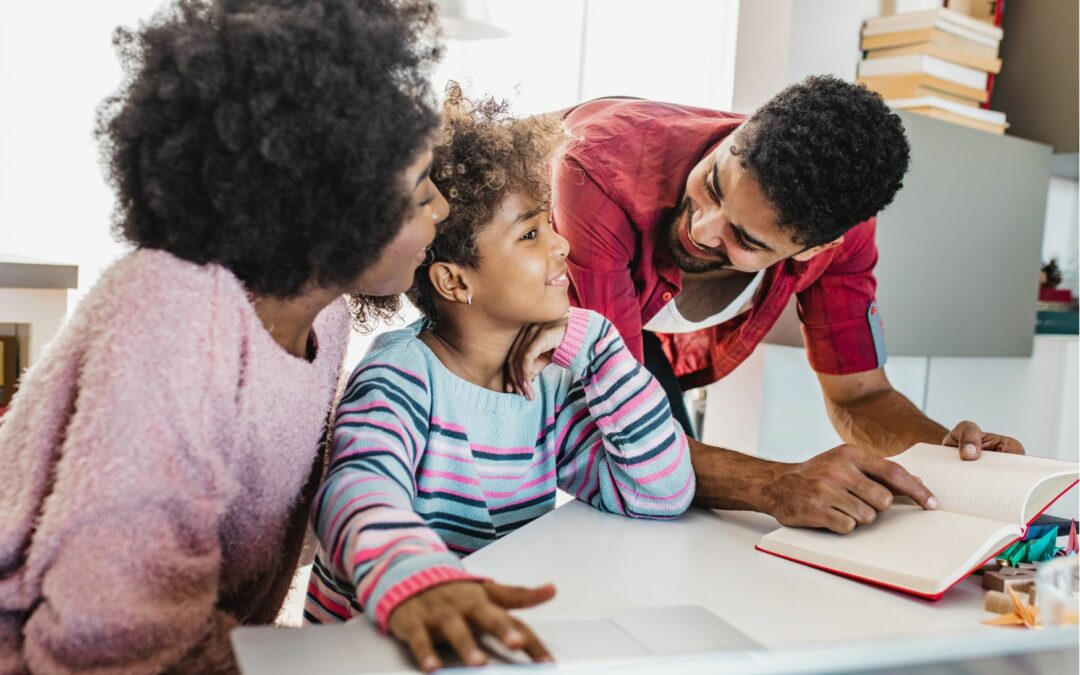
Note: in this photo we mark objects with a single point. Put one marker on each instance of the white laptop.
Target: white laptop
(356, 647)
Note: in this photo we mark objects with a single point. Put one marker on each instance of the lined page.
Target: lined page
(996, 486)
(925, 551)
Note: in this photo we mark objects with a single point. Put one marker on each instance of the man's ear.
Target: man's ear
(450, 282)
(804, 256)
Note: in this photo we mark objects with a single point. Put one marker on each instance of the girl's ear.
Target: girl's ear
(450, 282)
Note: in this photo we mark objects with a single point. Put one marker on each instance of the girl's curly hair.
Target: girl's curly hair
(485, 155)
(270, 136)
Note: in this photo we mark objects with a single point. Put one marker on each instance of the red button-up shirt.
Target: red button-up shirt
(613, 188)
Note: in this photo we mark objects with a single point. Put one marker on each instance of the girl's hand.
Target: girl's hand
(455, 612)
(531, 353)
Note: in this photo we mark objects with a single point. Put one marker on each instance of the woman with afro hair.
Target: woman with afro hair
(158, 464)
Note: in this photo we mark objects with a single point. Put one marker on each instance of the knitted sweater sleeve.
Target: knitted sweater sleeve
(128, 552)
(370, 536)
(620, 449)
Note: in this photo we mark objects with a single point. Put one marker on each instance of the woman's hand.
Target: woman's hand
(531, 353)
(455, 612)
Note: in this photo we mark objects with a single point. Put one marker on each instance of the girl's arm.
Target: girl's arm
(620, 449)
(363, 514)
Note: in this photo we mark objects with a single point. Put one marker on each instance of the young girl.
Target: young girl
(452, 433)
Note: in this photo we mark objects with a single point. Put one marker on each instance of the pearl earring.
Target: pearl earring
(468, 299)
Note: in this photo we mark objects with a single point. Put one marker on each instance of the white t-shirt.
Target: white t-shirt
(669, 320)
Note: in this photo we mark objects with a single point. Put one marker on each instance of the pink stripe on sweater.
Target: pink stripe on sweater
(577, 417)
(344, 509)
(421, 581)
(546, 478)
(447, 475)
(370, 581)
(445, 424)
(632, 408)
(383, 364)
(664, 472)
(368, 552)
(454, 458)
(630, 491)
(316, 591)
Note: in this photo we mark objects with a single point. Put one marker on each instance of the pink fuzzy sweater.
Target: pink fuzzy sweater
(156, 472)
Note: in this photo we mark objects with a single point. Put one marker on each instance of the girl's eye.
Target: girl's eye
(531, 234)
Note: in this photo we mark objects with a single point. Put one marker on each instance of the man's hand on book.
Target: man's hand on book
(972, 441)
(841, 489)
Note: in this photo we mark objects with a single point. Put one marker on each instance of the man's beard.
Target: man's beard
(683, 260)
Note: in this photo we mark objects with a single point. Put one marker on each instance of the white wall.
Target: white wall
(56, 64)
(783, 41)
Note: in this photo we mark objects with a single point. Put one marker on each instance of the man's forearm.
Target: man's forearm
(885, 422)
(731, 480)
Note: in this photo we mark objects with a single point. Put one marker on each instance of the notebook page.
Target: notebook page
(906, 546)
(996, 486)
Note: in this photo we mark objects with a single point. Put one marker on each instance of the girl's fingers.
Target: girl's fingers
(456, 631)
(415, 636)
(533, 647)
(518, 597)
(496, 621)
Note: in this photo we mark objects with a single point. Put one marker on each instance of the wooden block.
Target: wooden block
(999, 602)
(1019, 580)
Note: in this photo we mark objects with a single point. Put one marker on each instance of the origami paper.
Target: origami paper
(1023, 614)
(1043, 548)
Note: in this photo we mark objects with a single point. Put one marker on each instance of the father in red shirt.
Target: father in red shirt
(691, 229)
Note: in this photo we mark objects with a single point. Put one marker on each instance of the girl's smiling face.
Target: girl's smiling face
(522, 275)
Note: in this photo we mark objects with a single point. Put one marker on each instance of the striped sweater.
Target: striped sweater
(427, 467)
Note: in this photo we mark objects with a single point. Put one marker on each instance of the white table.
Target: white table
(808, 620)
(600, 562)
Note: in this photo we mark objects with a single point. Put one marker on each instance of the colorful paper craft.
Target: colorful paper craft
(1023, 614)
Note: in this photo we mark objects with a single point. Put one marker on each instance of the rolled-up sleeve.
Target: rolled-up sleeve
(841, 321)
(603, 243)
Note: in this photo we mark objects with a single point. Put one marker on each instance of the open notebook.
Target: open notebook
(983, 506)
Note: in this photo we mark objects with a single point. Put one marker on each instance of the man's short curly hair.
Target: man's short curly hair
(270, 136)
(484, 156)
(828, 155)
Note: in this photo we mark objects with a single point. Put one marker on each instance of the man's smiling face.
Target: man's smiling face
(725, 221)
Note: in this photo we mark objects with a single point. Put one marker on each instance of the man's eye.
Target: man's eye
(709, 191)
(743, 244)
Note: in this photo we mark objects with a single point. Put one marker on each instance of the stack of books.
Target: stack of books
(936, 62)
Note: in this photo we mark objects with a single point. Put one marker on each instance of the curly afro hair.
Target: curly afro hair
(484, 156)
(270, 136)
(828, 155)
